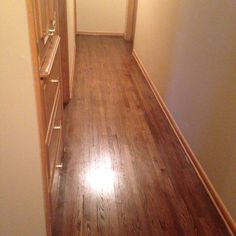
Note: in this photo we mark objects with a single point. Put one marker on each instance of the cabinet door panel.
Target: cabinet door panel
(46, 12)
(42, 22)
(43, 16)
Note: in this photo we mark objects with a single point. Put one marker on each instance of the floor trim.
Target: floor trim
(217, 201)
(98, 33)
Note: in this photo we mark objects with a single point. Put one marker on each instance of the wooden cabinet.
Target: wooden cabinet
(52, 93)
(48, 40)
(46, 24)
(51, 19)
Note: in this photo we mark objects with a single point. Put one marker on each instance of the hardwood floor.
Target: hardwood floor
(124, 170)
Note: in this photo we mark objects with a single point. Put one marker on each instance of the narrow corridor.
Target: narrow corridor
(125, 172)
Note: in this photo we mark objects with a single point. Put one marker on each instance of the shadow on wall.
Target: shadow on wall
(201, 93)
(155, 37)
(189, 51)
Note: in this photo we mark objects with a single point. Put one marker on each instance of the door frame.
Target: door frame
(132, 6)
(63, 32)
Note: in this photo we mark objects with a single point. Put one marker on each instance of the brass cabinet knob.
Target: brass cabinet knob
(54, 80)
(57, 127)
(60, 166)
(51, 32)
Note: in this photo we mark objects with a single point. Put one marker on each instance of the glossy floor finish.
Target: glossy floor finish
(124, 171)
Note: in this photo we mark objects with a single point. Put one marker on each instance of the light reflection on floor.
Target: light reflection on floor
(101, 177)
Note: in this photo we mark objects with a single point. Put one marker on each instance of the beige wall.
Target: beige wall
(101, 16)
(71, 39)
(21, 192)
(189, 50)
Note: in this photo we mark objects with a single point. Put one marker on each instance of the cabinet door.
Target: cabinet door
(42, 19)
(52, 10)
(46, 12)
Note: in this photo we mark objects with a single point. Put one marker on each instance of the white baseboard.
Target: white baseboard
(98, 33)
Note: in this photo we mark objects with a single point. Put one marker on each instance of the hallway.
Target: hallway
(125, 172)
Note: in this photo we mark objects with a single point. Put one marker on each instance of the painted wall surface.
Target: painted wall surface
(189, 50)
(21, 191)
(71, 38)
(101, 15)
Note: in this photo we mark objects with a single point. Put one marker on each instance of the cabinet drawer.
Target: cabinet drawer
(51, 86)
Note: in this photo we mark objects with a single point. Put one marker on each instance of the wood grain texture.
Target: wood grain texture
(125, 172)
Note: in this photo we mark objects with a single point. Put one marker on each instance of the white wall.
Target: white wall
(189, 50)
(71, 39)
(21, 192)
(101, 16)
